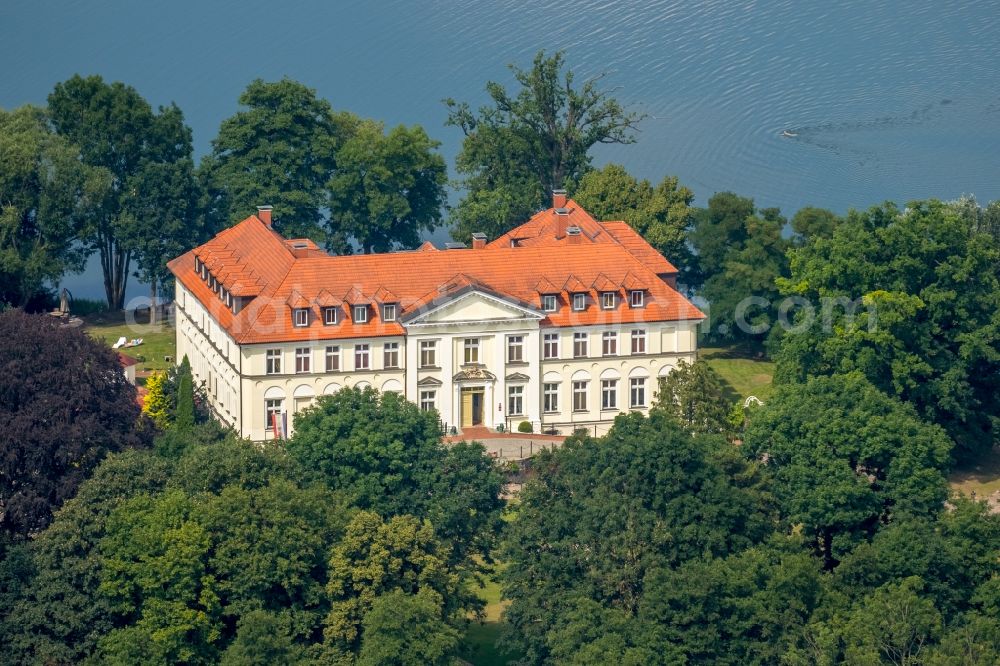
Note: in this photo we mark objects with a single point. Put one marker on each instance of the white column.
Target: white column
(449, 399)
(496, 393)
(411, 348)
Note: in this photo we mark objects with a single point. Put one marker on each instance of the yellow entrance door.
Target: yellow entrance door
(466, 408)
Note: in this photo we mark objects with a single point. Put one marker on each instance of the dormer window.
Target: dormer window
(579, 302)
(329, 316)
(608, 300)
(360, 314)
(197, 265)
(229, 298)
(549, 303)
(301, 316)
(637, 298)
(389, 312)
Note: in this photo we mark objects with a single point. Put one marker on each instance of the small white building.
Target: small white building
(563, 322)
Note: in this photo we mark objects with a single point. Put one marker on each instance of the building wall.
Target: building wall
(238, 383)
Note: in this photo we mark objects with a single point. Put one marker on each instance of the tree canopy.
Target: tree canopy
(526, 143)
(330, 175)
(919, 294)
(45, 192)
(64, 404)
(663, 214)
(146, 156)
(848, 458)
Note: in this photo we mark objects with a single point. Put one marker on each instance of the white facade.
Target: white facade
(477, 359)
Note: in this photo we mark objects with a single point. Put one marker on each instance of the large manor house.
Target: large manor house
(563, 322)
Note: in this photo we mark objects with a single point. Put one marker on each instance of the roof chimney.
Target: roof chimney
(478, 241)
(264, 215)
(559, 199)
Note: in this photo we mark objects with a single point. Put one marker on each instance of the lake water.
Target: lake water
(889, 100)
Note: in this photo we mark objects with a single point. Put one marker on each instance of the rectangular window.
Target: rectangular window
(550, 397)
(580, 396)
(390, 355)
(609, 394)
(637, 298)
(428, 400)
(515, 349)
(637, 389)
(329, 316)
(579, 302)
(303, 356)
(550, 345)
(301, 317)
(608, 300)
(360, 314)
(273, 361)
(272, 413)
(609, 343)
(389, 312)
(333, 359)
(515, 400)
(549, 303)
(580, 345)
(361, 357)
(639, 341)
(428, 353)
(471, 350)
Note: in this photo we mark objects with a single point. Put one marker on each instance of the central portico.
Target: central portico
(476, 343)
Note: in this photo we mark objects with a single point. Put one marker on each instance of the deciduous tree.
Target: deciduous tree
(44, 192)
(64, 404)
(918, 315)
(663, 214)
(523, 145)
(279, 150)
(117, 130)
(847, 458)
(387, 188)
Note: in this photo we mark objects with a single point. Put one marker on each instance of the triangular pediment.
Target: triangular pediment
(429, 381)
(517, 377)
(473, 305)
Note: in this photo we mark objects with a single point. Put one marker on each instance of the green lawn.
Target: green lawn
(983, 476)
(479, 645)
(158, 342)
(744, 374)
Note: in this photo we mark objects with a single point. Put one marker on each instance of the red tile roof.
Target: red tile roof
(258, 260)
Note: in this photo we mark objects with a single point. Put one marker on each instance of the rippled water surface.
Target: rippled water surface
(885, 100)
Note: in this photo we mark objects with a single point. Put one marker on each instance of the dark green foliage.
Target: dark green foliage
(184, 412)
(692, 396)
(847, 458)
(388, 188)
(742, 609)
(44, 193)
(386, 454)
(407, 630)
(146, 159)
(60, 616)
(524, 426)
(522, 146)
(927, 328)
(810, 223)
(376, 557)
(331, 176)
(64, 404)
(278, 150)
(263, 639)
(740, 255)
(601, 514)
(662, 214)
